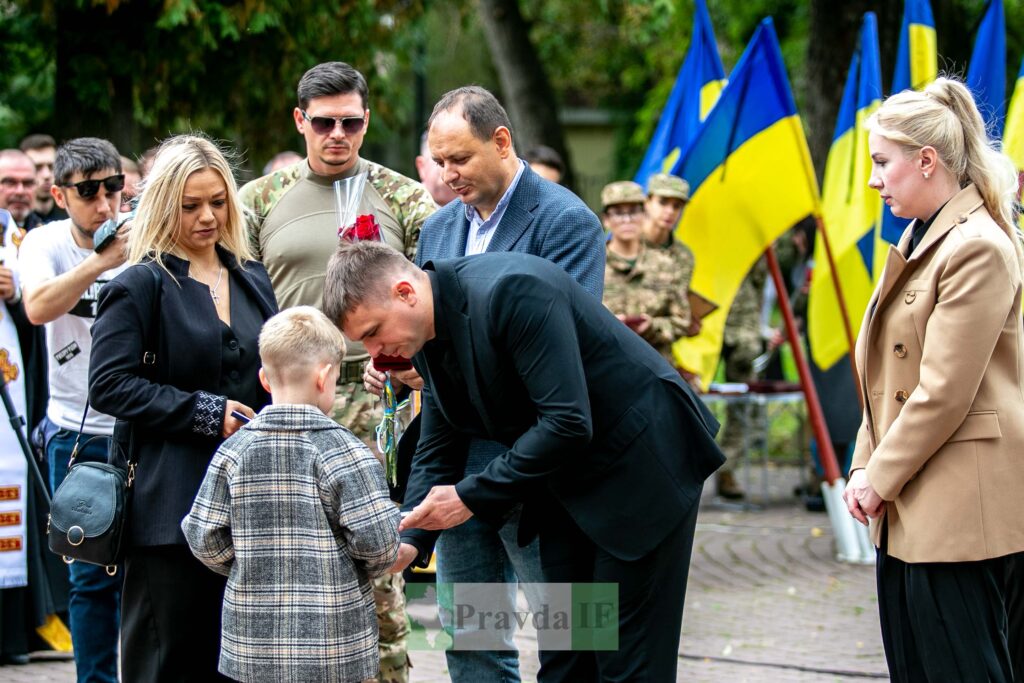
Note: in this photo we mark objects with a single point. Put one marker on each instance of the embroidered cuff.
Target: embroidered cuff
(208, 414)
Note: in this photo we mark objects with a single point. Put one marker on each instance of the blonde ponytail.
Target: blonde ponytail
(944, 116)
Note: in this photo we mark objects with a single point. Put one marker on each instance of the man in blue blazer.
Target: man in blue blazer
(502, 206)
(604, 446)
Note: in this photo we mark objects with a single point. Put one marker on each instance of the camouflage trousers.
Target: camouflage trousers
(361, 412)
(739, 367)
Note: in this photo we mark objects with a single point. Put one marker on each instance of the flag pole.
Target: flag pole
(823, 234)
(817, 417)
(852, 544)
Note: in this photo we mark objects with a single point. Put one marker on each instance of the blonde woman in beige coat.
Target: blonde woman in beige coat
(939, 463)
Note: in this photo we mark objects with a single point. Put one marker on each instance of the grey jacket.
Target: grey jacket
(295, 511)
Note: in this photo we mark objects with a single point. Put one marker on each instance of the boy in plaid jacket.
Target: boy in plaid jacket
(295, 511)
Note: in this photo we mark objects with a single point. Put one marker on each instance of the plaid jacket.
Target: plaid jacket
(295, 511)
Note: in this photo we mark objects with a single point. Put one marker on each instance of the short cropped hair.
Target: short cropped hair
(480, 109)
(358, 273)
(85, 156)
(331, 78)
(37, 141)
(542, 154)
(297, 338)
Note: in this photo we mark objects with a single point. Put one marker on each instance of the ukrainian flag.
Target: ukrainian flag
(697, 87)
(850, 209)
(751, 179)
(986, 76)
(1013, 136)
(917, 65)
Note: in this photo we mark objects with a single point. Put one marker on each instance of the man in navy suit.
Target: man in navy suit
(501, 205)
(604, 446)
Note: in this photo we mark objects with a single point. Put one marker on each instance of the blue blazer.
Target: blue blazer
(587, 413)
(542, 218)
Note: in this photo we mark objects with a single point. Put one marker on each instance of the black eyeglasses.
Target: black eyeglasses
(87, 189)
(324, 125)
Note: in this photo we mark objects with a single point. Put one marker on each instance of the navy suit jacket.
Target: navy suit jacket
(587, 412)
(542, 218)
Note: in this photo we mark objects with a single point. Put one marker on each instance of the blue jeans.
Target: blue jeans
(475, 552)
(94, 604)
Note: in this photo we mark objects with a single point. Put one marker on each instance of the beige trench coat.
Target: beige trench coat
(941, 356)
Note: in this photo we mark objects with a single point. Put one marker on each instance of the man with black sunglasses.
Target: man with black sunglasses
(62, 275)
(294, 230)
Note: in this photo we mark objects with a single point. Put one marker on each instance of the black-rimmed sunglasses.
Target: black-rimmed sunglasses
(324, 125)
(87, 189)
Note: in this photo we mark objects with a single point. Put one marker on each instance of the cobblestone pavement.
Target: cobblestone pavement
(766, 601)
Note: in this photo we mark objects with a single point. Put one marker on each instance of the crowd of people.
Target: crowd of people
(205, 337)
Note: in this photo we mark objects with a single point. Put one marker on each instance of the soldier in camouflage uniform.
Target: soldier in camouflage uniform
(666, 197)
(294, 231)
(642, 285)
(742, 342)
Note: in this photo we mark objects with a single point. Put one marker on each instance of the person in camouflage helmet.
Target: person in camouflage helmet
(293, 228)
(742, 342)
(642, 285)
(666, 197)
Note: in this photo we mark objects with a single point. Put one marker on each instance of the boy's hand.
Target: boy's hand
(406, 554)
(231, 424)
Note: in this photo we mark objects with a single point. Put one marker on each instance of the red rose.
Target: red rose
(365, 228)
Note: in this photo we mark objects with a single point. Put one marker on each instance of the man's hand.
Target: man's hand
(233, 424)
(373, 379)
(862, 500)
(7, 289)
(406, 554)
(695, 327)
(116, 252)
(441, 509)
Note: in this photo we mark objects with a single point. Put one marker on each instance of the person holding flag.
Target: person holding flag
(937, 467)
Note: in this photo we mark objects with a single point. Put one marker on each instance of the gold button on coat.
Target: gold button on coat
(900, 350)
(901, 396)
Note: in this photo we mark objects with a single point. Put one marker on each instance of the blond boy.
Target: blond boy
(295, 511)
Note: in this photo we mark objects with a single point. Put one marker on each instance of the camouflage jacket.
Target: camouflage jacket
(650, 285)
(743, 326)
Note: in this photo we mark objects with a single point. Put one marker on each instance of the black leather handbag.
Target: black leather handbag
(89, 512)
(90, 507)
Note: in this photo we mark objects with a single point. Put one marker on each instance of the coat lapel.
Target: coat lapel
(460, 327)
(518, 214)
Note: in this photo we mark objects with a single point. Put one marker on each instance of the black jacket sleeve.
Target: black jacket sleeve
(118, 380)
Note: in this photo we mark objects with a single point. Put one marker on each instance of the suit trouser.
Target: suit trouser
(651, 594)
(944, 621)
(170, 617)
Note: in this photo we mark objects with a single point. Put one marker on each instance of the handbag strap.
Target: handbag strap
(148, 357)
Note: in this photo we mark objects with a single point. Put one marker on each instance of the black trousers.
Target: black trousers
(651, 594)
(170, 617)
(945, 621)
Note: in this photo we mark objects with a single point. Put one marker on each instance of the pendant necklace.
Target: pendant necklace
(215, 287)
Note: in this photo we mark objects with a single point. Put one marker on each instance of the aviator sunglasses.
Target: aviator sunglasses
(87, 189)
(323, 125)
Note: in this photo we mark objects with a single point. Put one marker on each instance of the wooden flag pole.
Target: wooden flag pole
(817, 417)
(851, 343)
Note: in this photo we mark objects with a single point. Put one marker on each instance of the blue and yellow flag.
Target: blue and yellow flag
(697, 87)
(986, 75)
(751, 179)
(917, 65)
(850, 209)
(1013, 136)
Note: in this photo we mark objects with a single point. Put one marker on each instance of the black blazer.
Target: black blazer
(589, 413)
(173, 405)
